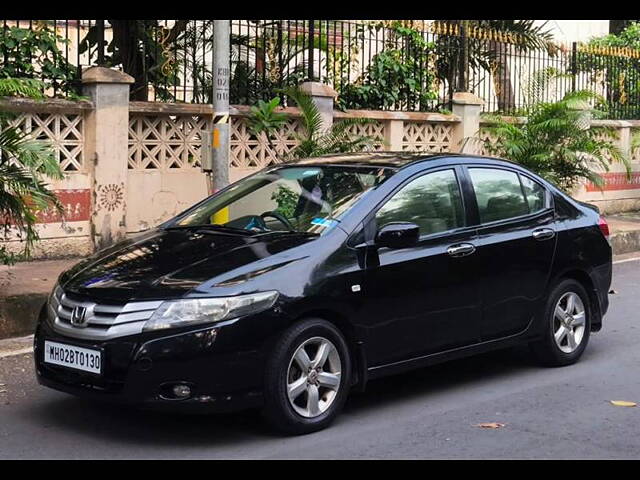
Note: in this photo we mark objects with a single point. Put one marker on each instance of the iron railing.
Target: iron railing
(387, 65)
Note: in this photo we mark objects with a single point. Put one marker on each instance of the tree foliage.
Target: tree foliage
(556, 141)
(35, 53)
(398, 77)
(619, 74)
(146, 50)
(314, 141)
(488, 55)
(25, 164)
(264, 119)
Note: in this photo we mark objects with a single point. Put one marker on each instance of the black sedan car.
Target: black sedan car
(295, 285)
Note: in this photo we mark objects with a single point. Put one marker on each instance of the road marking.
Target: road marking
(12, 353)
(626, 260)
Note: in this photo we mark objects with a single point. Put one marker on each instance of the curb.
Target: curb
(19, 313)
(625, 242)
(10, 347)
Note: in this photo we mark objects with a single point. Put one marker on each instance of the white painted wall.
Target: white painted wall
(568, 31)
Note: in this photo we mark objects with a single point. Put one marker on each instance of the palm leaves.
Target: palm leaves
(265, 120)
(24, 163)
(315, 142)
(21, 87)
(539, 84)
(556, 141)
(531, 35)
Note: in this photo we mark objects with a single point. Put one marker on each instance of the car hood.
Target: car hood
(169, 263)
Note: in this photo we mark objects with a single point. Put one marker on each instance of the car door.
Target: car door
(515, 246)
(423, 299)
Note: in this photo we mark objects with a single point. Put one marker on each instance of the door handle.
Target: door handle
(461, 250)
(543, 234)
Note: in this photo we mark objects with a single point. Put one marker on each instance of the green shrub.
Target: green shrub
(555, 143)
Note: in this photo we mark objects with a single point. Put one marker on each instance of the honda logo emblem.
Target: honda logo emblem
(79, 317)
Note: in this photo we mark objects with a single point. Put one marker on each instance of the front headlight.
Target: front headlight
(193, 311)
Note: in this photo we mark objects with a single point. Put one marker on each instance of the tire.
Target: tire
(547, 350)
(284, 372)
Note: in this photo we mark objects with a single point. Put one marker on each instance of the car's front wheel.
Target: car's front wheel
(307, 377)
(567, 325)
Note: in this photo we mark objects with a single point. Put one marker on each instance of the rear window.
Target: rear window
(498, 193)
(534, 193)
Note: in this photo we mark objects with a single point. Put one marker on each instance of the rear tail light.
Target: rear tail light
(604, 227)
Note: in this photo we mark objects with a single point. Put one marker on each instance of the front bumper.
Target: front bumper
(223, 368)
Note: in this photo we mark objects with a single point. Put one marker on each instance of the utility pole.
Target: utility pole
(219, 176)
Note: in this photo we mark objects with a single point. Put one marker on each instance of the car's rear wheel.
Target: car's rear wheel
(567, 325)
(307, 377)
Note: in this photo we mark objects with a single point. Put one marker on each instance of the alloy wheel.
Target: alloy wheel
(569, 321)
(313, 377)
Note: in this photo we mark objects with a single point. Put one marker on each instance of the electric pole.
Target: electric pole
(219, 176)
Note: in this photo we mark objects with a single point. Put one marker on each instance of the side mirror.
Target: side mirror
(398, 235)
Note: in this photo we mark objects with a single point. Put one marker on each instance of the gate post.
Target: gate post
(467, 106)
(323, 96)
(106, 149)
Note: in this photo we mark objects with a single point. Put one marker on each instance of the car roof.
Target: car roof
(395, 160)
(371, 159)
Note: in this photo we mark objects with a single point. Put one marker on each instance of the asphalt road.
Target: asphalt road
(561, 413)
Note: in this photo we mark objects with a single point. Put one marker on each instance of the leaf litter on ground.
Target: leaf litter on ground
(491, 425)
(622, 403)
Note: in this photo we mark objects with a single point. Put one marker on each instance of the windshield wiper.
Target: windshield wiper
(213, 227)
(288, 232)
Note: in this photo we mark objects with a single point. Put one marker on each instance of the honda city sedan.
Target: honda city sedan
(300, 283)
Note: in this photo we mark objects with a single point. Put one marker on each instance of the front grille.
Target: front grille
(101, 321)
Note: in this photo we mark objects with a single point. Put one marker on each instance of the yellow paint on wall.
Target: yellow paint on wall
(221, 216)
(216, 138)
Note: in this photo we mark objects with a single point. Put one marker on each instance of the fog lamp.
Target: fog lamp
(181, 391)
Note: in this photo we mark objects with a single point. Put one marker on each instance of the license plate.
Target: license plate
(79, 358)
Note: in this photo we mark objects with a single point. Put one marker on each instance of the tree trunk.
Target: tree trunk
(128, 35)
(617, 26)
(125, 38)
(502, 77)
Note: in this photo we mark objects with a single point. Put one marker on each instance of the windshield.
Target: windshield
(296, 199)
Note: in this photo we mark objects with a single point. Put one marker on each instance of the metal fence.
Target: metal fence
(369, 64)
(381, 65)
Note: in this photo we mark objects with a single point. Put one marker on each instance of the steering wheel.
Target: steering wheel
(278, 216)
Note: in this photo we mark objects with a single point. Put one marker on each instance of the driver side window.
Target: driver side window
(432, 201)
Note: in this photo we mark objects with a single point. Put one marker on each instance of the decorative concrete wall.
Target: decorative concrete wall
(62, 123)
(163, 163)
(132, 165)
(619, 193)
